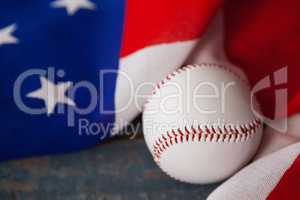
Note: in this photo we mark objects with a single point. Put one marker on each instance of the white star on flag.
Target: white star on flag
(52, 94)
(72, 6)
(6, 36)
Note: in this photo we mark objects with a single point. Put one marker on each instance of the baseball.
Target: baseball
(199, 125)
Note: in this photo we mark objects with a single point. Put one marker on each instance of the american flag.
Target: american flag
(53, 54)
(67, 42)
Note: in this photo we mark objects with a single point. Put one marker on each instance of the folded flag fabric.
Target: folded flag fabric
(274, 173)
(61, 85)
(51, 54)
(274, 177)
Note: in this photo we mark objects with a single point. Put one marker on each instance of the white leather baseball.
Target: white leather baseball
(198, 124)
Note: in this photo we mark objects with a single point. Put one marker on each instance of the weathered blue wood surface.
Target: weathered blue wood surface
(119, 169)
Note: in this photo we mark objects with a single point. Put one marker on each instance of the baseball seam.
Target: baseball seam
(225, 134)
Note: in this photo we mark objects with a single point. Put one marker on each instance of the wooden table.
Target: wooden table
(115, 170)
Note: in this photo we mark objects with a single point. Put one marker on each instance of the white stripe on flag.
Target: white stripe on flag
(259, 178)
(148, 65)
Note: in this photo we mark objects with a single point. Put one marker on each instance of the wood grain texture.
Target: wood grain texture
(120, 169)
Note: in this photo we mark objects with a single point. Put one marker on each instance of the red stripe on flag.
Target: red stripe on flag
(262, 36)
(289, 185)
(154, 22)
(294, 105)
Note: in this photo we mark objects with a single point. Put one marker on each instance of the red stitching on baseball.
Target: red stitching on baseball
(190, 134)
(228, 134)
